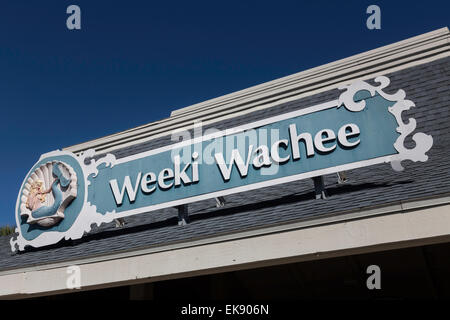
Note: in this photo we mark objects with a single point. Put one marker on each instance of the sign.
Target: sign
(64, 194)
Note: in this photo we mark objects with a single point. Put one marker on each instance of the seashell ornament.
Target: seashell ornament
(47, 193)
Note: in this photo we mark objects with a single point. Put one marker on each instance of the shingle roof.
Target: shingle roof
(427, 85)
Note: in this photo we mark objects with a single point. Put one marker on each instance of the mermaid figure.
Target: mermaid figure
(38, 195)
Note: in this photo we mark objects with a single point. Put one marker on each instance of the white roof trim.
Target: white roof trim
(361, 213)
(371, 233)
(400, 55)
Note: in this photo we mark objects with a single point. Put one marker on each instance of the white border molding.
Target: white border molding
(422, 140)
(397, 56)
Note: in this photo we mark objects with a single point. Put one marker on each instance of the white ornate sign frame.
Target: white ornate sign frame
(89, 215)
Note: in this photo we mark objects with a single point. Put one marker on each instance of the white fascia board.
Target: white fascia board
(401, 55)
(403, 224)
(372, 233)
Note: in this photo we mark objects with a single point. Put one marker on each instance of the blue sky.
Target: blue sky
(133, 62)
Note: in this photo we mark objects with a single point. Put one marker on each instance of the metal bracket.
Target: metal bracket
(342, 177)
(319, 187)
(220, 202)
(120, 222)
(183, 215)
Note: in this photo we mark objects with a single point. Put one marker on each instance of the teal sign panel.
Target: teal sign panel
(376, 138)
